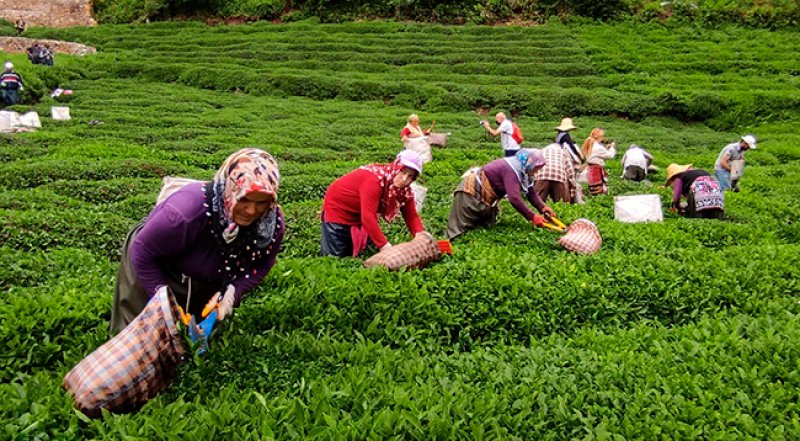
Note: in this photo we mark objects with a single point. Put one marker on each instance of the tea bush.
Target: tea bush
(687, 328)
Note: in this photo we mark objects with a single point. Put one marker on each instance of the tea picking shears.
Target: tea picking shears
(202, 331)
(554, 224)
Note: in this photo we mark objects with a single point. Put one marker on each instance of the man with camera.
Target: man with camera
(506, 132)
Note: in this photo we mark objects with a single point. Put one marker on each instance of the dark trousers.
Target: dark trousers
(557, 190)
(336, 240)
(634, 173)
(10, 96)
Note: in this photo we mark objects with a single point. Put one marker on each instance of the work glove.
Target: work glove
(538, 221)
(386, 247)
(548, 212)
(226, 304)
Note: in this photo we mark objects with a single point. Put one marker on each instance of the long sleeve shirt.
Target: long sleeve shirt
(354, 199)
(600, 153)
(636, 157)
(177, 235)
(504, 181)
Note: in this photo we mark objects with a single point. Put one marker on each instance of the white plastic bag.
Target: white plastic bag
(421, 146)
(737, 169)
(60, 113)
(8, 120)
(419, 195)
(638, 208)
(171, 184)
(30, 119)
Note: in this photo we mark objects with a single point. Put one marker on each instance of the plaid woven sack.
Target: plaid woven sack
(134, 366)
(417, 253)
(437, 139)
(582, 237)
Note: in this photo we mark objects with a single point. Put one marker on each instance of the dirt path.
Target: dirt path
(20, 44)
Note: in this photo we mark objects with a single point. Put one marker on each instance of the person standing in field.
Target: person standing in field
(10, 85)
(635, 163)
(704, 195)
(353, 203)
(556, 178)
(564, 139)
(412, 129)
(506, 131)
(205, 240)
(595, 151)
(726, 162)
(415, 138)
(481, 188)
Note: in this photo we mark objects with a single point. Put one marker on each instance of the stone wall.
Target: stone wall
(50, 13)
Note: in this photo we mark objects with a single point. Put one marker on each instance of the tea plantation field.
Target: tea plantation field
(685, 329)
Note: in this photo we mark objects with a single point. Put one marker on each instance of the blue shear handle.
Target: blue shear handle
(207, 325)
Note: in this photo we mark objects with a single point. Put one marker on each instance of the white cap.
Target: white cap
(8, 65)
(750, 140)
(411, 159)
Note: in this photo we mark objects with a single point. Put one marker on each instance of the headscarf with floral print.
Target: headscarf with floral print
(245, 172)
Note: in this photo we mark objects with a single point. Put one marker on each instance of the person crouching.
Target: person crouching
(704, 195)
(352, 204)
(481, 188)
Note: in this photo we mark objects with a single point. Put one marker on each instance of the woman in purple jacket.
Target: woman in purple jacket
(206, 239)
(481, 188)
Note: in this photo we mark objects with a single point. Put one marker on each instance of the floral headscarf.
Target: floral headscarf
(245, 172)
(392, 198)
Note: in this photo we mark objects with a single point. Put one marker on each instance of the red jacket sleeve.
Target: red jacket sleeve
(413, 221)
(404, 132)
(370, 195)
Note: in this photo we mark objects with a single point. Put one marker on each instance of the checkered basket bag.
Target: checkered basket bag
(417, 253)
(437, 139)
(582, 237)
(132, 367)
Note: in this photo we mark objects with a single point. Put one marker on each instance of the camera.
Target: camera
(483, 122)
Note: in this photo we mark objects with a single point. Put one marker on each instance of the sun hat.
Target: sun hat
(8, 65)
(411, 159)
(674, 170)
(566, 125)
(750, 140)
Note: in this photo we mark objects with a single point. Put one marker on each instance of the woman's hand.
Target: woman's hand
(226, 304)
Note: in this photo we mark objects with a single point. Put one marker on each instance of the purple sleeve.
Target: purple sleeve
(533, 198)
(245, 285)
(513, 191)
(166, 232)
(677, 191)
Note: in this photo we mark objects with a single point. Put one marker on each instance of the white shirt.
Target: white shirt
(734, 152)
(506, 140)
(634, 157)
(600, 153)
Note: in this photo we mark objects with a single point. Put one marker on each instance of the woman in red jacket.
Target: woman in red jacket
(353, 202)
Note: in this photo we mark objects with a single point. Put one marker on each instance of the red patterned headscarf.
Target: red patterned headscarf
(392, 198)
